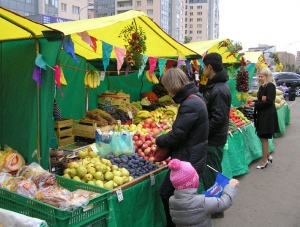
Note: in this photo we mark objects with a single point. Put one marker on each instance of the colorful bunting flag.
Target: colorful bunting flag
(68, 46)
(94, 43)
(85, 37)
(57, 79)
(181, 56)
(37, 75)
(152, 63)
(106, 51)
(161, 65)
(40, 62)
(188, 66)
(145, 59)
(180, 63)
(170, 64)
(120, 53)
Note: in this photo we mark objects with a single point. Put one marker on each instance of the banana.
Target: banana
(148, 76)
(154, 79)
(86, 78)
(98, 78)
(90, 80)
(95, 80)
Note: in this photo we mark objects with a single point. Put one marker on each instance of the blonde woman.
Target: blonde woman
(188, 138)
(265, 114)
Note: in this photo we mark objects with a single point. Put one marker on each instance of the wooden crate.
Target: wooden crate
(88, 130)
(64, 131)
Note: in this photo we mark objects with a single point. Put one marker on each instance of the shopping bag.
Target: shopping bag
(122, 143)
(217, 189)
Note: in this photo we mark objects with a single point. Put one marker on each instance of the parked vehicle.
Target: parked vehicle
(292, 80)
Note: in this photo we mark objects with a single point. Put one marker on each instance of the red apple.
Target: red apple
(139, 143)
(153, 148)
(146, 157)
(142, 138)
(151, 159)
(135, 138)
(136, 147)
(164, 122)
(153, 125)
(156, 131)
(153, 140)
(165, 127)
(147, 151)
(138, 134)
(149, 143)
(142, 154)
(147, 137)
(144, 146)
(146, 125)
(148, 121)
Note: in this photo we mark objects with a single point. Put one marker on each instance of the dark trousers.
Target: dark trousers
(214, 159)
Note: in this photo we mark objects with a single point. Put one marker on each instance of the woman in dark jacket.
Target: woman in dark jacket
(188, 137)
(265, 114)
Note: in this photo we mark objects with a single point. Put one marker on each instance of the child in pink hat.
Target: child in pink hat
(187, 207)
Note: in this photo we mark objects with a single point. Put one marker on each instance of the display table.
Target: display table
(284, 119)
(242, 148)
(142, 205)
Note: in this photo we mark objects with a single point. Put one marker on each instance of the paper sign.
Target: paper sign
(119, 195)
(94, 148)
(152, 179)
(102, 75)
(130, 114)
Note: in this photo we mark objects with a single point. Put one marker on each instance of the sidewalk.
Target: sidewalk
(271, 197)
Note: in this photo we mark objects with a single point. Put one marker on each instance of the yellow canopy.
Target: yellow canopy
(255, 57)
(215, 45)
(107, 29)
(15, 27)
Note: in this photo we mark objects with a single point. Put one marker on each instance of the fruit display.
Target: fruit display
(135, 164)
(92, 79)
(247, 111)
(120, 115)
(137, 105)
(242, 81)
(164, 114)
(128, 107)
(159, 90)
(98, 116)
(279, 99)
(238, 117)
(151, 96)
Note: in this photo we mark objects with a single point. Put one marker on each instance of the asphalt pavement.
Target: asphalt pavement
(271, 197)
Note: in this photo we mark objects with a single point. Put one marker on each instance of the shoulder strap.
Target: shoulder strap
(196, 96)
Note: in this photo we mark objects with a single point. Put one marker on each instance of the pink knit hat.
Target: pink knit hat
(183, 175)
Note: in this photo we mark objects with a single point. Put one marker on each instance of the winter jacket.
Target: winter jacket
(265, 114)
(190, 209)
(188, 137)
(218, 101)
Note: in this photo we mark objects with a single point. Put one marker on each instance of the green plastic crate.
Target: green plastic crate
(95, 212)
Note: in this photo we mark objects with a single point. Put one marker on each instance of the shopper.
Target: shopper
(188, 137)
(265, 114)
(284, 89)
(218, 100)
(187, 207)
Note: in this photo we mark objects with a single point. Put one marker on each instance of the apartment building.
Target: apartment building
(288, 61)
(197, 19)
(51, 11)
(297, 63)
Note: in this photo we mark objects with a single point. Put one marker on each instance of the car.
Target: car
(291, 80)
(254, 84)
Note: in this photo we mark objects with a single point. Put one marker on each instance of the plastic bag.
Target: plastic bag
(122, 143)
(103, 140)
(104, 149)
(10, 160)
(80, 198)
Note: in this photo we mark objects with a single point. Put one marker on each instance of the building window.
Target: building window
(199, 13)
(121, 5)
(191, 32)
(185, 20)
(138, 3)
(191, 13)
(199, 38)
(149, 11)
(75, 9)
(185, 26)
(149, 2)
(191, 26)
(191, 7)
(199, 19)
(63, 7)
(199, 32)
(199, 7)
(199, 25)
(191, 19)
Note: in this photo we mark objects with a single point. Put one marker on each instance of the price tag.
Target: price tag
(152, 179)
(102, 75)
(157, 125)
(94, 148)
(119, 195)
(240, 130)
(130, 114)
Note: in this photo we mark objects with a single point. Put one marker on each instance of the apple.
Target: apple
(144, 146)
(138, 134)
(153, 148)
(168, 160)
(142, 138)
(156, 131)
(146, 157)
(139, 143)
(146, 126)
(147, 137)
(148, 142)
(148, 121)
(153, 125)
(147, 151)
(139, 150)
(165, 127)
(135, 138)
(136, 147)
(153, 140)
(141, 153)
(151, 159)
(164, 123)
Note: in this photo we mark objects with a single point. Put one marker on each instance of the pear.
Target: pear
(91, 182)
(108, 168)
(95, 160)
(66, 176)
(115, 185)
(98, 176)
(108, 176)
(106, 162)
(99, 183)
(77, 178)
(81, 171)
(125, 172)
(117, 173)
(72, 172)
(101, 167)
(114, 167)
(130, 178)
(118, 180)
(109, 185)
(82, 153)
(85, 162)
(89, 165)
(72, 165)
(91, 170)
(93, 154)
(88, 177)
(66, 170)
(126, 179)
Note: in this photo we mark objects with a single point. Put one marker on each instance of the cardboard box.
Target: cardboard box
(113, 99)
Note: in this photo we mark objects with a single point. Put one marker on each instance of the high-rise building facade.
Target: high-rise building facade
(288, 61)
(297, 63)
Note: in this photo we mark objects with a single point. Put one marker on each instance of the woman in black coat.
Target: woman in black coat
(188, 137)
(265, 114)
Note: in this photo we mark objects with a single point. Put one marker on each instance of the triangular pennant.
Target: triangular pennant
(201, 63)
(188, 66)
(85, 37)
(195, 64)
(40, 62)
(120, 53)
(161, 65)
(180, 63)
(170, 64)
(57, 79)
(106, 51)
(145, 59)
(181, 56)
(68, 46)
(203, 55)
(37, 75)
(94, 43)
(152, 63)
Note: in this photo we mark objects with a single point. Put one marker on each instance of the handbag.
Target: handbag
(162, 153)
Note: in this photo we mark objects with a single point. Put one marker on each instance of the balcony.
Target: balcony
(124, 8)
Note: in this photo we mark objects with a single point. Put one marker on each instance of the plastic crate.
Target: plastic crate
(95, 212)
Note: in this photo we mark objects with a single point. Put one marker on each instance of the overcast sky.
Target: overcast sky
(253, 22)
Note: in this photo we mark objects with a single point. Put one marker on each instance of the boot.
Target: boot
(167, 213)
